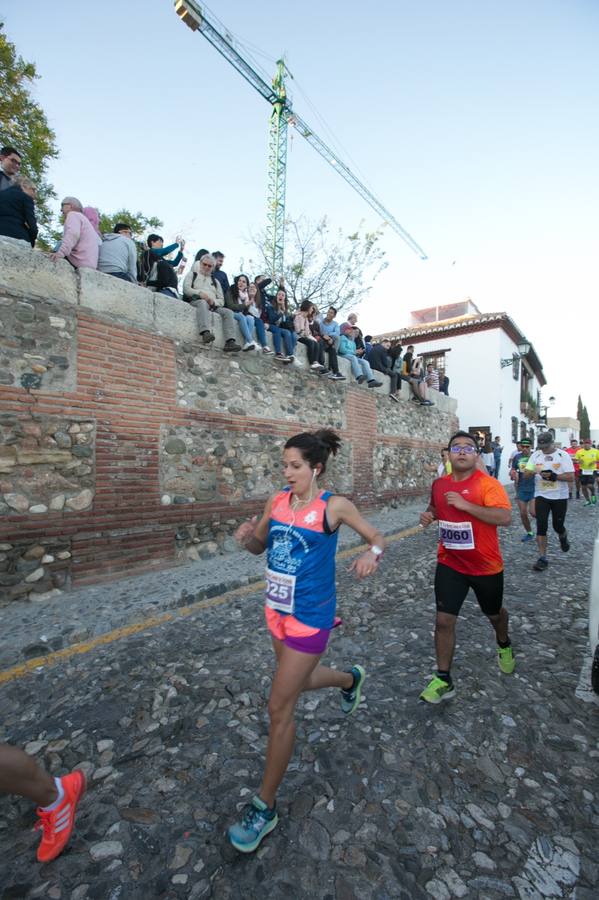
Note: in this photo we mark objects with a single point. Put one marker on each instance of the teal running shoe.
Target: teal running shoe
(256, 822)
(350, 700)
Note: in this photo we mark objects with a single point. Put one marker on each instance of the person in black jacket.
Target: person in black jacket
(380, 360)
(17, 211)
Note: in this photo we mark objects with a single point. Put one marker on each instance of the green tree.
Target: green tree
(585, 424)
(328, 268)
(23, 124)
(139, 223)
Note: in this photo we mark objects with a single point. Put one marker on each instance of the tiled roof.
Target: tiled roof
(467, 325)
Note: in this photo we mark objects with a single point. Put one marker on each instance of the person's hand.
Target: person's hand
(365, 564)
(513, 474)
(456, 500)
(426, 518)
(54, 257)
(548, 475)
(245, 531)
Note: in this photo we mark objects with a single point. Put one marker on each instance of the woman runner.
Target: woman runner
(299, 529)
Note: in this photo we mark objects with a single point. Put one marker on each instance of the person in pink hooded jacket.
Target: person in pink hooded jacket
(80, 244)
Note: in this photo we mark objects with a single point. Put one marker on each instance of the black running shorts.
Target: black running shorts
(451, 588)
(587, 479)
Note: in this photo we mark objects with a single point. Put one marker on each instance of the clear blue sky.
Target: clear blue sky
(475, 123)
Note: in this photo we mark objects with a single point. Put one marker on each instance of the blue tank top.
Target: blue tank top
(300, 558)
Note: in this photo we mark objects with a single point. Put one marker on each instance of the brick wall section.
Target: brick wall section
(362, 430)
(127, 384)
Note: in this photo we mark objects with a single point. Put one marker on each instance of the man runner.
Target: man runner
(587, 459)
(56, 798)
(525, 489)
(552, 470)
(469, 505)
(572, 450)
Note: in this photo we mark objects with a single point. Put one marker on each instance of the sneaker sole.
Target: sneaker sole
(446, 696)
(249, 848)
(358, 697)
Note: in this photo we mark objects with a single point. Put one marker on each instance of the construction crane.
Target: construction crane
(283, 115)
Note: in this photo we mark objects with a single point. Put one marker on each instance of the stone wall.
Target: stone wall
(127, 445)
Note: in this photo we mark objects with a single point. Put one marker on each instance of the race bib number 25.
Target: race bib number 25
(280, 591)
(456, 535)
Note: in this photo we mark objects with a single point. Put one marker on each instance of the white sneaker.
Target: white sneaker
(248, 346)
(316, 365)
(266, 349)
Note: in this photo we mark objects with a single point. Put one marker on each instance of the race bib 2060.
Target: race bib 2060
(456, 535)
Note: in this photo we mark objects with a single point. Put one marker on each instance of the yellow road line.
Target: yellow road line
(110, 637)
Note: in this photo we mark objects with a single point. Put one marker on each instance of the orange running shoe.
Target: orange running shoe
(57, 824)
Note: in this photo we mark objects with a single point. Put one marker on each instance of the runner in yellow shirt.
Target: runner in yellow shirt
(588, 460)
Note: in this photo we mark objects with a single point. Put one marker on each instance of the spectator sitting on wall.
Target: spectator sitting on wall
(396, 358)
(218, 273)
(17, 211)
(381, 361)
(432, 377)
(329, 327)
(327, 345)
(237, 300)
(314, 351)
(281, 326)
(367, 346)
(444, 385)
(205, 293)
(352, 322)
(118, 256)
(10, 165)
(407, 360)
(80, 244)
(93, 217)
(156, 250)
(360, 367)
(417, 382)
(257, 311)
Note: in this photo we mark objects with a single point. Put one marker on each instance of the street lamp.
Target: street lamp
(543, 410)
(523, 349)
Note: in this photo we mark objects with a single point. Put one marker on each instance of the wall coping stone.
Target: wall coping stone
(32, 273)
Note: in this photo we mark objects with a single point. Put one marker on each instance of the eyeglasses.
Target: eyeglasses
(458, 448)
(207, 265)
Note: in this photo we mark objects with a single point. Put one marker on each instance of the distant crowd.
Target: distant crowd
(247, 307)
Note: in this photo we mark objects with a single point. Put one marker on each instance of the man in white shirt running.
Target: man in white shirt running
(552, 470)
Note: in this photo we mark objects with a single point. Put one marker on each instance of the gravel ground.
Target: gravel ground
(493, 794)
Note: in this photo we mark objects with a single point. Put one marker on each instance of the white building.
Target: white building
(494, 373)
(564, 429)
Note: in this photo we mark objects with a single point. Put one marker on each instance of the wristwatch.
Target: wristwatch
(378, 551)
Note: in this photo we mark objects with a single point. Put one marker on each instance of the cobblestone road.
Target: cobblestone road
(493, 794)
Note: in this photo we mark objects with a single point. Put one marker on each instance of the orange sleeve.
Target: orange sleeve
(494, 494)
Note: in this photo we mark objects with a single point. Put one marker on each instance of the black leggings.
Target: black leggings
(558, 515)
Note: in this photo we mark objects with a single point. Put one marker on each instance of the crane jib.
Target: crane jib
(198, 19)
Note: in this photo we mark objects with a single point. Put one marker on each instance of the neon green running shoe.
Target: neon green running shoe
(436, 690)
(505, 658)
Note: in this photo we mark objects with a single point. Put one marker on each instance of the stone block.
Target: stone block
(113, 297)
(174, 318)
(31, 272)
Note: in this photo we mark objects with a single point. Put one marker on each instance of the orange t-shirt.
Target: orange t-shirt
(465, 543)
